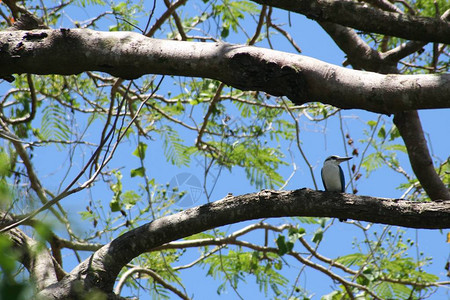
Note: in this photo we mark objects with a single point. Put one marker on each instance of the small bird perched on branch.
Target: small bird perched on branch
(332, 175)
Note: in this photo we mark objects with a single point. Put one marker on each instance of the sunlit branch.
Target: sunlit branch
(177, 20)
(384, 5)
(79, 246)
(301, 79)
(137, 122)
(286, 35)
(153, 275)
(259, 26)
(329, 261)
(397, 169)
(418, 284)
(200, 259)
(91, 22)
(40, 143)
(403, 50)
(10, 93)
(164, 17)
(410, 65)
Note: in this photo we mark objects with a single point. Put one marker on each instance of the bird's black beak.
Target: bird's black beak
(341, 159)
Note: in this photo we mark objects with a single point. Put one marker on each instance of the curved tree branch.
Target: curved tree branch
(408, 124)
(152, 274)
(359, 54)
(38, 263)
(101, 269)
(368, 19)
(302, 79)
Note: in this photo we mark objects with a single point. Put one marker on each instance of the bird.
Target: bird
(332, 175)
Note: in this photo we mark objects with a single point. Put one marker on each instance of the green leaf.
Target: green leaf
(140, 150)
(382, 132)
(396, 147)
(130, 198)
(352, 259)
(372, 123)
(372, 162)
(283, 246)
(294, 234)
(86, 215)
(5, 164)
(394, 133)
(115, 204)
(175, 152)
(309, 220)
(7, 255)
(334, 295)
(43, 230)
(225, 31)
(318, 236)
(54, 123)
(138, 172)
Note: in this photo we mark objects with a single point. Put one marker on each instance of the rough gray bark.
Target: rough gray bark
(302, 79)
(100, 270)
(367, 19)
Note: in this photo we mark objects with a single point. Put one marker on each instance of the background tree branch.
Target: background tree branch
(353, 14)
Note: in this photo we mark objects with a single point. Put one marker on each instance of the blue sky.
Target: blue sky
(318, 141)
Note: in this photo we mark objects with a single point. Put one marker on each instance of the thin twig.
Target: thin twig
(211, 108)
(297, 139)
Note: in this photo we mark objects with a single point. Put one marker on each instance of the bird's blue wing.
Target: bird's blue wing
(323, 181)
(342, 179)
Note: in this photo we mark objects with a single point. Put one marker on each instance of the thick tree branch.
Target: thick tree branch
(302, 79)
(102, 268)
(359, 54)
(368, 19)
(408, 123)
(38, 263)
